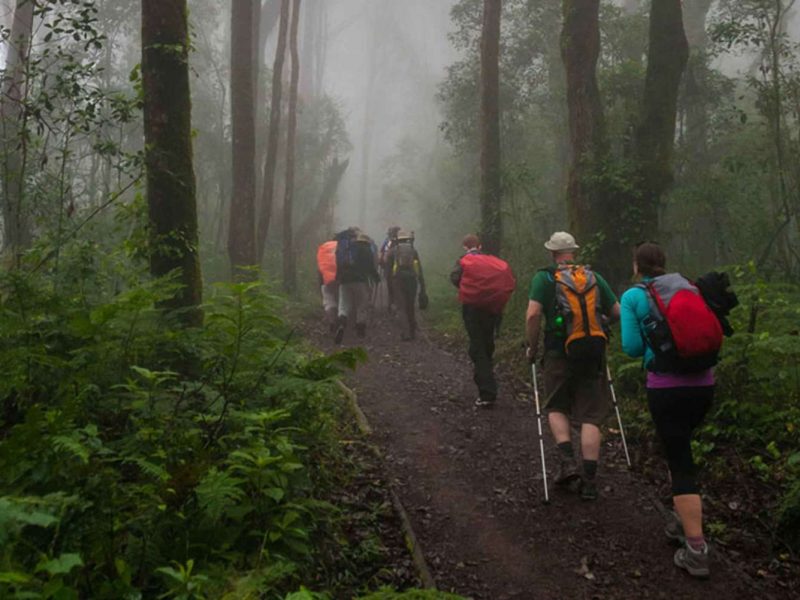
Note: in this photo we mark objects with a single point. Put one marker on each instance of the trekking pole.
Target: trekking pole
(541, 436)
(619, 419)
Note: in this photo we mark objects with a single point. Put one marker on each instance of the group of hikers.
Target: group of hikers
(675, 325)
(351, 269)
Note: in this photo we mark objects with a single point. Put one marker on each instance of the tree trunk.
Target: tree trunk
(375, 50)
(696, 88)
(17, 233)
(580, 48)
(490, 193)
(316, 220)
(270, 163)
(168, 153)
(289, 268)
(311, 24)
(667, 56)
(241, 232)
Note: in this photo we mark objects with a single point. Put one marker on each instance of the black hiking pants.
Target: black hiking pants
(481, 328)
(676, 413)
(405, 296)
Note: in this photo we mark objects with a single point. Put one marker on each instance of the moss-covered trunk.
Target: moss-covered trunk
(16, 220)
(241, 230)
(667, 56)
(168, 152)
(580, 49)
(289, 267)
(490, 192)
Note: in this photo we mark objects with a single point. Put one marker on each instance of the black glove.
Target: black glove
(423, 300)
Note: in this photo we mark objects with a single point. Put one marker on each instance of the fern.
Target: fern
(217, 492)
(71, 445)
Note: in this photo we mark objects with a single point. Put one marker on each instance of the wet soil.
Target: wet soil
(471, 482)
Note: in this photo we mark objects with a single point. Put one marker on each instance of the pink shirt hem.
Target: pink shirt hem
(671, 380)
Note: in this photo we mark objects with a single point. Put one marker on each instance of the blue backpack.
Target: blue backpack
(345, 251)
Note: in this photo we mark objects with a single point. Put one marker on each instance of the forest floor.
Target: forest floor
(470, 480)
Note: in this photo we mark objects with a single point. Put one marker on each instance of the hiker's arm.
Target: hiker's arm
(420, 276)
(455, 274)
(632, 341)
(609, 299)
(616, 312)
(533, 324)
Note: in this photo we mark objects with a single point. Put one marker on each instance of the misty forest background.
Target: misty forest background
(163, 429)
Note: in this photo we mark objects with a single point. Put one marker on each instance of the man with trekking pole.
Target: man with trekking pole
(575, 302)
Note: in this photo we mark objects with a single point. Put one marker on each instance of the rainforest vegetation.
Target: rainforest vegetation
(168, 426)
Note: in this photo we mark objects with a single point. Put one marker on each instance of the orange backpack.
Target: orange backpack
(326, 262)
(578, 304)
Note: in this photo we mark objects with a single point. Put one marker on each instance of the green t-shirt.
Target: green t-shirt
(543, 291)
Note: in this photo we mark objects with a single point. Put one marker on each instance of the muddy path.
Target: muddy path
(470, 481)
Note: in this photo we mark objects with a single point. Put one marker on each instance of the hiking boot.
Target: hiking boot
(588, 490)
(484, 403)
(694, 562)
(674, 529)
(566, 471)
(340, 325)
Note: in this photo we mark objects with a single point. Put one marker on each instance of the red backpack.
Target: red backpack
(487, 282)
(683, 332)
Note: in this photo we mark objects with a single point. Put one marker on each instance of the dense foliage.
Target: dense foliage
(138, 458)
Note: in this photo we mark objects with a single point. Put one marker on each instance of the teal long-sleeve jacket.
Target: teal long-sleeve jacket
(635, 307)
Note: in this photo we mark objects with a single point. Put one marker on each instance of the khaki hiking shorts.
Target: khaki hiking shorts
(578, 389)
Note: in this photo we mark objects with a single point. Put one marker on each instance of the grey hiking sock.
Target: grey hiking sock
(697, 544)
(566, 449)
(589, 469)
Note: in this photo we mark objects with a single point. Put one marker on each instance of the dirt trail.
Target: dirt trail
(470, 481)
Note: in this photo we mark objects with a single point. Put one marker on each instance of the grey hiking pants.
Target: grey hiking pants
(354, 301)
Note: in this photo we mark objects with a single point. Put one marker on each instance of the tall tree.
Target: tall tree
(377, 53)
(289, 271)
(490, 192)
(580, 50)
(271, 161)
(696, 89)
(667, 55)
(168, 152)
(17, 233)
(312, 24)
(241, 230)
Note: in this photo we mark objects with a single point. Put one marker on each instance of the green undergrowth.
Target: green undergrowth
(141, 460)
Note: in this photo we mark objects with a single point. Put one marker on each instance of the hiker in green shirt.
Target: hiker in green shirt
(575, 302)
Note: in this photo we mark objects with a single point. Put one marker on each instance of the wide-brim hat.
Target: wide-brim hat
(561, 241)
(405, 235)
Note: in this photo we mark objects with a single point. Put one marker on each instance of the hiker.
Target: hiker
(680, 391)
(326, 270)
(405, 273)
(575, 302)
(485, 284)
(391, 239)
(355, 271)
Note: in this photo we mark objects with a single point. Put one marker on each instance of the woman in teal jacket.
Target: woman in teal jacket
(678, 404)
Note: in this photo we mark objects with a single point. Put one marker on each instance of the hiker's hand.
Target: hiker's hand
(530, 354)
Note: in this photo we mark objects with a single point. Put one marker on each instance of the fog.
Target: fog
(385, 59)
